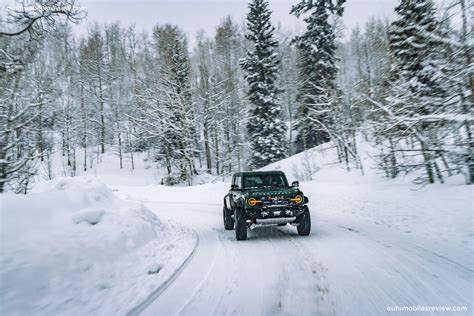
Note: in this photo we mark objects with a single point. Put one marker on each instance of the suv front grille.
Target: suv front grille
(275, 200)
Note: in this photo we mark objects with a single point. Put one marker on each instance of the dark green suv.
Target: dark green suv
(264, 198)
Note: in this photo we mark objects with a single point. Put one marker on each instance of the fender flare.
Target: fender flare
(225, 204)
(239, 203)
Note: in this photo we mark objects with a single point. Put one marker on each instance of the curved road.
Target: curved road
(337, 270)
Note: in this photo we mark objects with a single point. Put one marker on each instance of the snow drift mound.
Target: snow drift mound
(72, 247)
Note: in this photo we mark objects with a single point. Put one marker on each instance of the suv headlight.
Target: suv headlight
(253, 201)
(298, 199)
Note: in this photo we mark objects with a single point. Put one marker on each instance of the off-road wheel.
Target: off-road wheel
(228, 220)
(240, 224)
(304, 227)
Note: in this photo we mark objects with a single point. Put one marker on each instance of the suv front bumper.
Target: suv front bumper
(275, 220)
(274, 212)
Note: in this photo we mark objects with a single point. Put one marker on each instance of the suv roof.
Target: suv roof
(250, 173)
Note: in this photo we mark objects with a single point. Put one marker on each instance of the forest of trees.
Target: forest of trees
(247, 96)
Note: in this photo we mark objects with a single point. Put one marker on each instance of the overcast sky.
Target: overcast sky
(192, 15)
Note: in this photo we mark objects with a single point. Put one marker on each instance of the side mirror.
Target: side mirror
(295, 184)
(234, 187)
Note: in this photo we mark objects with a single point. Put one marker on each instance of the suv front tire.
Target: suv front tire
(240, 224)
(228, 220)
(304, 220)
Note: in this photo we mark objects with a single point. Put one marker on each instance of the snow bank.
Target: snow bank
(72, 247)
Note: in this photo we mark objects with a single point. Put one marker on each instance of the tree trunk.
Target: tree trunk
(3, 167)
(40, 127)
(428, 163)
(130, 145)
(216, 146)
(167, 160)
(207, 148)
(393, 160)
(68, 153)
(119, 136)
(102, 114)
(438, 172)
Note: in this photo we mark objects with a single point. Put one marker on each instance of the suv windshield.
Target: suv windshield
(264, 181)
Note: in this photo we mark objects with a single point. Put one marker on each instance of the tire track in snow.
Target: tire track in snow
(182, 290)
(222, 289)
(316, 271)
(430, 252)
(409, 243)
(452, 262)
(399, 273)
(155, 294)
(244, 283)
(198, 288)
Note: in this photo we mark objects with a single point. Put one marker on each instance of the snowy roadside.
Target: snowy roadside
(72, 247)
(437, 218)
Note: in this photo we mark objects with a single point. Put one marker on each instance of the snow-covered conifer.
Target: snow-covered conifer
(317, 71)
(266, 130)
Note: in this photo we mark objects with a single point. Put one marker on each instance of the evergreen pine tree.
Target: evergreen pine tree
(265, 128)
(172, 106)
(317, 71)
(417, 51)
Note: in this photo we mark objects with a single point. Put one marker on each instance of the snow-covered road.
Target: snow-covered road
(343, 267)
